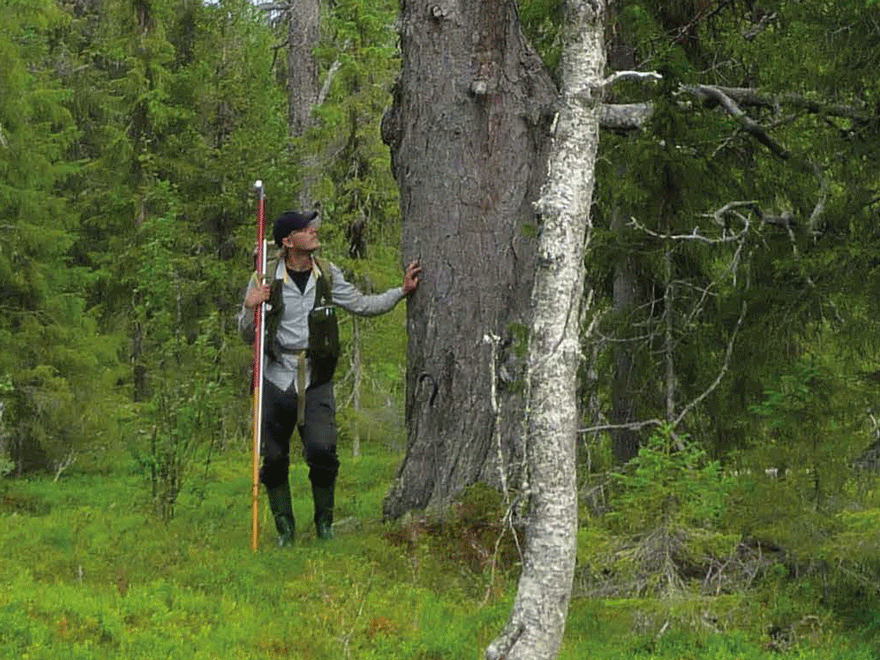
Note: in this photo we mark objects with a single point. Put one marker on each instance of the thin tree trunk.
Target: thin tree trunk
(302, 83)
(302, 69)
(624, 441)
(537, 620)
(356, 385)
(668, 347)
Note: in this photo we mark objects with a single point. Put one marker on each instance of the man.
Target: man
(297, 385)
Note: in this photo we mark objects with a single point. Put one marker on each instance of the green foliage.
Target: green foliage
(800, 288)
(664, 534)
(542, 22)
(113, 581)
(671, 482)
(60, 372)
(814, 431)
(357, 192)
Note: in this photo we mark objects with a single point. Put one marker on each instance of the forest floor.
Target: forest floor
(89, 572)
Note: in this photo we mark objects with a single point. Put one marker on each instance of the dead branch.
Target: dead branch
(759, 27)
(325, 89)
(752, 97)
(819, 209)
(63, 464)
(695, 235)
(634, 116)
(625, 116)
(273, 6)
(631, 75)
(724, 367)
(749, 125)
(631, 426)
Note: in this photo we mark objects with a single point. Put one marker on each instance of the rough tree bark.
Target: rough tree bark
(302, 83)
(537, 620)
(302, 68)
(468, 135)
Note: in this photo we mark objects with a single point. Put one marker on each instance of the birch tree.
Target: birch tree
(537, 621)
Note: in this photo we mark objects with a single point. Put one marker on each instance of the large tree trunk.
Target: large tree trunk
(537, 620)
(467, 133)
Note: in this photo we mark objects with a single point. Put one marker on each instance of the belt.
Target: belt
(301, 355)
(293, 351)
(301, 389)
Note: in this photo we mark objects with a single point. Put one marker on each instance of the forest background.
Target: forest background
(728, 462)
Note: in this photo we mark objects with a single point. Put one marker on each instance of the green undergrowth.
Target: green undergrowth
(89, 572)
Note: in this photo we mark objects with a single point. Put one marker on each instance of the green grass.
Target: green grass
(88, 572)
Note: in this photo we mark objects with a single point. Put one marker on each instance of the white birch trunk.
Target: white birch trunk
(537, 620)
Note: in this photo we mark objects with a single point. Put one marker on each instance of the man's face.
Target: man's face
(303, 240)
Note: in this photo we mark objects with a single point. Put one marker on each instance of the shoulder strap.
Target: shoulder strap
(271, 267)
(324, 285)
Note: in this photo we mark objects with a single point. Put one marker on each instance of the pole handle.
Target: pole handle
(259, 320)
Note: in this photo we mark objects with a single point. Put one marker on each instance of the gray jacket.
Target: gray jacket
(293, 331)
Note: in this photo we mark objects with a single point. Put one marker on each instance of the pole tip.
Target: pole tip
(258, 184)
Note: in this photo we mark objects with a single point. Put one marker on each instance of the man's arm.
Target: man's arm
(349, 298)
(254, 295)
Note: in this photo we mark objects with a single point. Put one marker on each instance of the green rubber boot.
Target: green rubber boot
(323, 498)
(282, 512)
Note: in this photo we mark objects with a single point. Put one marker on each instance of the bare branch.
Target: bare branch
(707, 12)
(62, 464)
(759, 27)
(695, 235)
(630, 426)
(724, 367)
(325, 89)
(276, 49)
(630, 75)
(634, 116)
(749, 125)
(273, 6)
(752, 97)
(820, 204)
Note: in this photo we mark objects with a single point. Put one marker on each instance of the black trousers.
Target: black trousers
(317, 433)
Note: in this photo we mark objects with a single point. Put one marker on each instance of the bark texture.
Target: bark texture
(302, 68)
(468, 136)
(303, 32)
(537, 621)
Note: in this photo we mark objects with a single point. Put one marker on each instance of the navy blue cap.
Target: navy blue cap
(291, 221)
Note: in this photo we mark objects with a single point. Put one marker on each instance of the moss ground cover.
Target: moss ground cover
(88, 571)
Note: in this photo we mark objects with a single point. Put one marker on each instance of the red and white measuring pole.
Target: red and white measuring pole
(259, 320)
